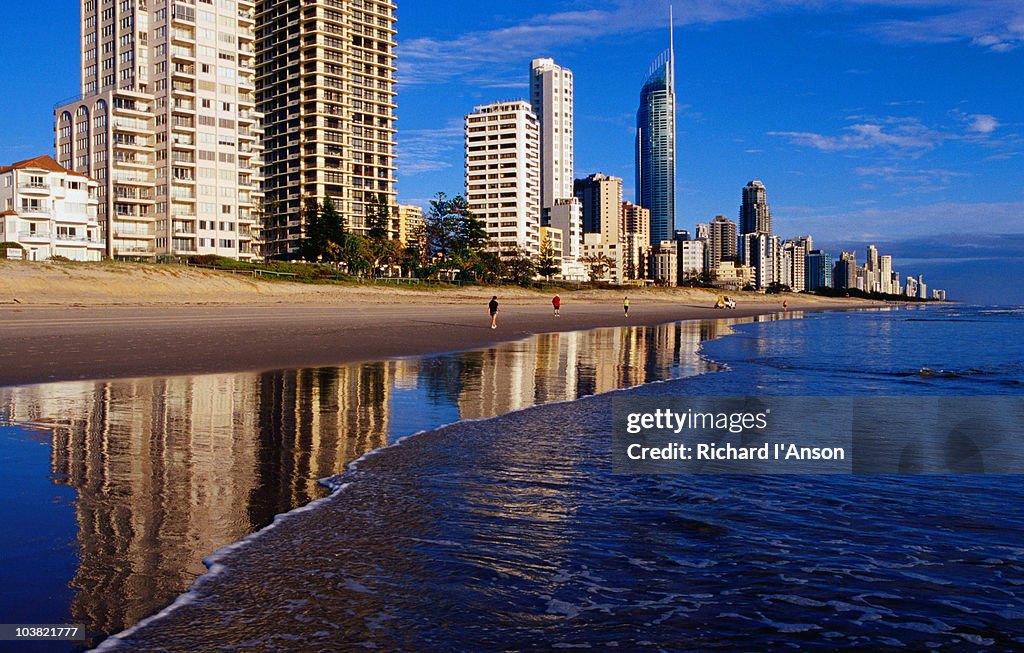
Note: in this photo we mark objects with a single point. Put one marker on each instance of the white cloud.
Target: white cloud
(428, 150)
(931, 177)
(906, 136)
(983, 124)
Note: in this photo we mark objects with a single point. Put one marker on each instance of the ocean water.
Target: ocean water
(507, 530)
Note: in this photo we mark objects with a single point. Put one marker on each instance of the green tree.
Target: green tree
(333, 225)
(547, 264)
(314, 243)
(354, 254)
(597, 266)
(519, 267)
(378, 218)
(451, 230)
(414, 256)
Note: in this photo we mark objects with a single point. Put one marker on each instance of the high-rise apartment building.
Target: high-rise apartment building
(410, 223)
(636, 238)
(845, 271)
(326, 75)
(755, 216)
(885, 274)
(794, 261)
(601, 198)
(551, 97)
(656, 145)
(166, 123)
(691, 258)
(761, 252)
(819, 270)
(721, 240)
(503, 175)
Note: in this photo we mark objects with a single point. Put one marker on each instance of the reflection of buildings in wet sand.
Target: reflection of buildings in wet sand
(566, 366)
(169, 470)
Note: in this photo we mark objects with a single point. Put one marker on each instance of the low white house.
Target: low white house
(49, 211)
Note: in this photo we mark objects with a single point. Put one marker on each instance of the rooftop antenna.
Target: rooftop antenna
(671, 49)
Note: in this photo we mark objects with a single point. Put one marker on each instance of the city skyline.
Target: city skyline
(899, 132)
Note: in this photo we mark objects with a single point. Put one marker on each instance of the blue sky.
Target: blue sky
(898, 122)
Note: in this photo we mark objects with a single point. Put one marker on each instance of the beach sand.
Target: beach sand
(61, 322)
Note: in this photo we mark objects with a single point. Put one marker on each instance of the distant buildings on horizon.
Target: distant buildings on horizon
(519, 151)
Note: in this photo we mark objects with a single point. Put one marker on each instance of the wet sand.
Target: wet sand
(51, 343)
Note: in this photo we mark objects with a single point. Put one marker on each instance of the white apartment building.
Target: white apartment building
(793, 271)
(166, 123)
(503, 175)
(551, 97)
(691, 258)
(885, 274)
(565, 216)
(761, 252)
(49, 211)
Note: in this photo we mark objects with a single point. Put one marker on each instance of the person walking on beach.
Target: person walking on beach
(625, 307)
(492, 308)
(556, 302)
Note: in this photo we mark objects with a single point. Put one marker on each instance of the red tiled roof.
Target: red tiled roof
(44, 162)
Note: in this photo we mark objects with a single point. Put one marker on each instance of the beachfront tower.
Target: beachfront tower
(721, 240)
(165, 120)
(326, 87)
(755, 216)
(656, 144)
(503, 175)
(551, 90)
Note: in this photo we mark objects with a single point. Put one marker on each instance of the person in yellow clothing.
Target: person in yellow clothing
(625, 307)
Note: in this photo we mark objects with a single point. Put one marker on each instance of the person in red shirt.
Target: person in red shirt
(557, 304)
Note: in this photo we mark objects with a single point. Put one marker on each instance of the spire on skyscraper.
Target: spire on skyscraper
(656, 143)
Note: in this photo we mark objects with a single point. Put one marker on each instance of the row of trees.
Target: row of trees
(452, 244)
(329, 241)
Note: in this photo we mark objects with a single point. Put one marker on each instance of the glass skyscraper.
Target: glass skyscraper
(656, 145)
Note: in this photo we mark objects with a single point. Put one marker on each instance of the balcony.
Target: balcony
(34, 188)
(183, 106)
(67, 238)
(132, 159)
(122, 140)
(34, 236)
(36, 209)
(183, 123)
(131, 124)
(185, 36)
(184, 87)
(180, 53)
(187, 228)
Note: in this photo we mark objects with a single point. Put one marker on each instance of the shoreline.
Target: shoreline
(47, 344)
(67, 322)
